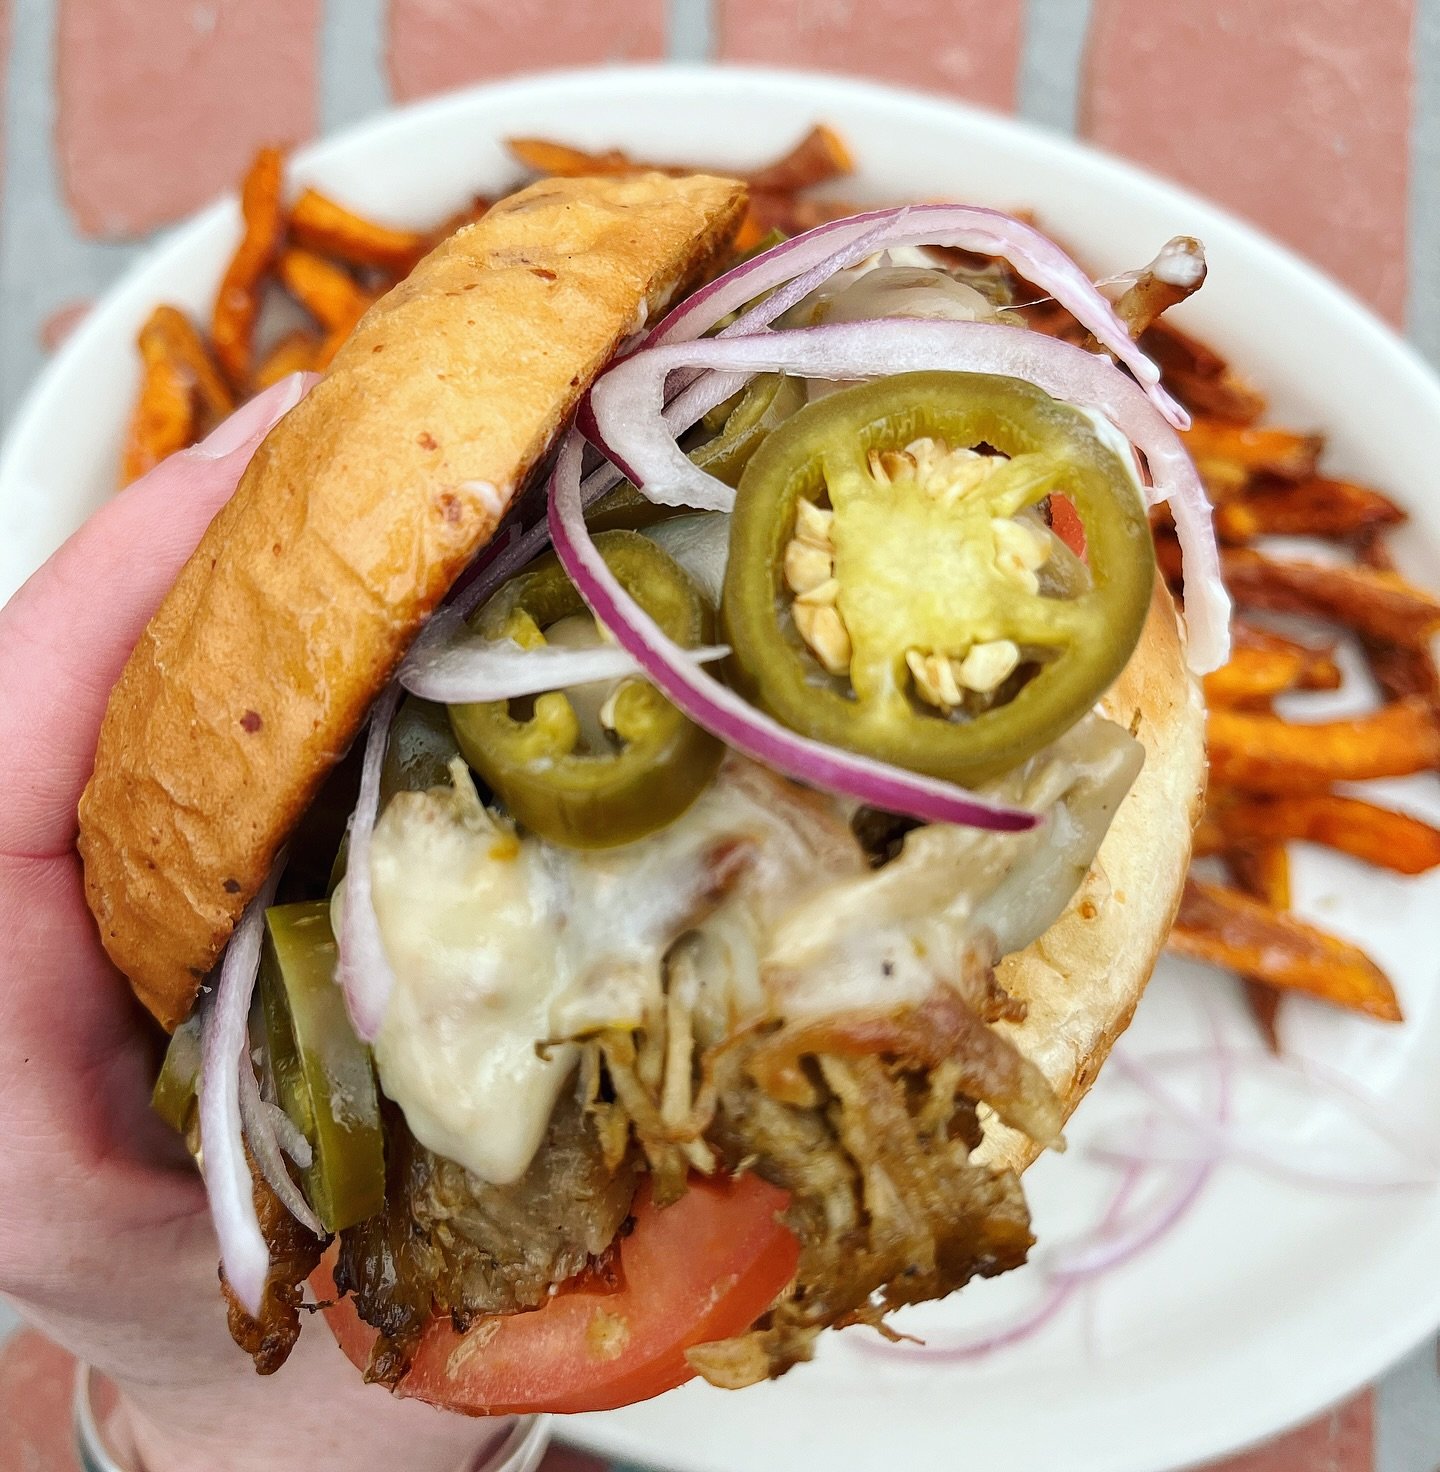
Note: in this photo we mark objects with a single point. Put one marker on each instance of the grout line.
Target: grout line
(1423, 295)
(1052, 62)
(691, 34)
(352, 82)
(44, 263)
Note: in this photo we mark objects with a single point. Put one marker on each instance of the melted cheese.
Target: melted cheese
(506, 949)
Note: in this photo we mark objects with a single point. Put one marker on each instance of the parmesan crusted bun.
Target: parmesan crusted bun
(1081, 980)
(353, 520)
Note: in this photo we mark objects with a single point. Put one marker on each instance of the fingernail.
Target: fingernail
(257, 417)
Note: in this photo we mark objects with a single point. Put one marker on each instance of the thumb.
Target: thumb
(66, 634)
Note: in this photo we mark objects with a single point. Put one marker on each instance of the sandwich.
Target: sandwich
(651, 804)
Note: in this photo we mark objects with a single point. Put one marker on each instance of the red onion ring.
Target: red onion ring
(224, 1048)
(628, 404)
(363, 969)
(263, 1136)
(471, 670)
(801, 264)
(727, 715)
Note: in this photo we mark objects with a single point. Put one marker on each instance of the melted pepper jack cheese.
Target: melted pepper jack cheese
(506, 949)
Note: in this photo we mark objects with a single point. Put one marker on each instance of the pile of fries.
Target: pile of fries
(331, 264)
(1272, 780)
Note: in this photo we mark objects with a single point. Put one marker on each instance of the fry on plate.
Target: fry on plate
(1257, 676)
(297, 352)
(1379, 836)
(1205, 383)
(237, 304)
(1375, 603)
(1223, 927)
(1260, 450)
(182, 396)
(1262, 753)
(328, 292)
(320, 224)
(1263, 872)
(1313, 508)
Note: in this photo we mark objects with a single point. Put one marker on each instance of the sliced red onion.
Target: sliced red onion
(363, 969)
(798, 266)
(225, 1043)
(628, 403)
(472, 670)
(288, 1136)
(724, 713)
(263, 1137)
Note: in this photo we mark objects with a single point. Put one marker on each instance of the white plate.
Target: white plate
(1270, 1301)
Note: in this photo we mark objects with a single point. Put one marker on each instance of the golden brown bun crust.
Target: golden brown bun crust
(1082, 979)
(355, 517)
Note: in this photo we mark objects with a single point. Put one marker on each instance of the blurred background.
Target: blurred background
(1319, 120)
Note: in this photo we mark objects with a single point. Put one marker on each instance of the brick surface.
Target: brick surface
(1343, 1441)
(1295, 113)
(967, 48)
(436, 44)
(161, 106)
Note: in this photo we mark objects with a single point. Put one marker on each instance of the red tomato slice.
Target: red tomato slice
(704, 1268)
(1066, 524)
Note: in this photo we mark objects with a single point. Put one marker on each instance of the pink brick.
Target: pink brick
(162, 105)
(968, 48)
(1343, 1441)
(35, 1386)
(1294, 113)
(437, 44)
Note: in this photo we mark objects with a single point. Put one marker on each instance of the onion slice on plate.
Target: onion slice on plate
(225, 1042)
(724, 713)
(628, 405)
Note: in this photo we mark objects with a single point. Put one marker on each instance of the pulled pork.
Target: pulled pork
(448, 1242)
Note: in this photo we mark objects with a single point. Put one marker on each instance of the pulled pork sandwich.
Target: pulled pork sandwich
(779, 780)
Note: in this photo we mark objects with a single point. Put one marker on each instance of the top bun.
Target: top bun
(356, 515)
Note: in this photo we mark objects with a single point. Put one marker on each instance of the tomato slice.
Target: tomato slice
(1066, 524)
(703, 1268)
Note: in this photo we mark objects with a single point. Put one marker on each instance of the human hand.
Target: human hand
(105, 1239)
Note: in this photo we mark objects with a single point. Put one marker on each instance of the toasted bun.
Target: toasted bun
(355, 517)
(1081, 980)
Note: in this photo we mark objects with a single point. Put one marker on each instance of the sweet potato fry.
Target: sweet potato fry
(182, 397)
(818, 157)
(1375, 835)
(1225, 480)
(165, 416)
(1223, 927)
(1375, 603)
(1253, 636)
(296, 352)
(1263, 872)
(1176, 273)
(328, 292)
(1398, 669)
(1262, 753)
(237, 304)
(1257, 676)
(545, 156)
(1313, 508)
(319, 224)
(1262, 451)
(1202, 380)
